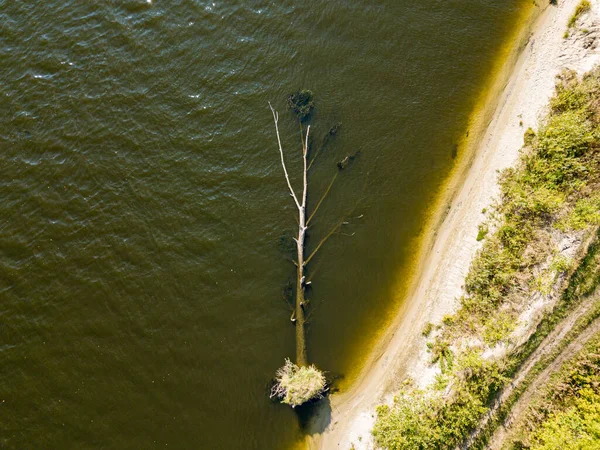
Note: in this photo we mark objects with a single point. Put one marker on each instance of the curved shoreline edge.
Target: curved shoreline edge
(514, 102)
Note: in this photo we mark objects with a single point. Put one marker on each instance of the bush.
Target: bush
(427, 329)
(296, 385)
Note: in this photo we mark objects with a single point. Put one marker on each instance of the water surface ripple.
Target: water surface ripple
(142, 202)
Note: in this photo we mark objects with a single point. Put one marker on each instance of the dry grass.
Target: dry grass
(583, 7)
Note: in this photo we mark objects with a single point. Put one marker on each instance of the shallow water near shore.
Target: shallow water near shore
(143, 203)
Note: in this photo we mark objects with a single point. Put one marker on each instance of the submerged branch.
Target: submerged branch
(322, 198)
(333, 230)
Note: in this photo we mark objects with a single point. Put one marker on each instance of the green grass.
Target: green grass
(567, 415)
(583, 7)
(576, 427)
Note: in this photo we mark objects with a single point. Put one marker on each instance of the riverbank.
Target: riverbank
(445, 266)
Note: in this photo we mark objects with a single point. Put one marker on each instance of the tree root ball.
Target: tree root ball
(301, 103)
(296, 385)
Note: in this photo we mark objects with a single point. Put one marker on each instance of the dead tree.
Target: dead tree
(300, 321)
(304, 219)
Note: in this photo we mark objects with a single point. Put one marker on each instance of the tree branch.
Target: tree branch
(287, 178)
(322, 198)
(304, 156)
(333, 230)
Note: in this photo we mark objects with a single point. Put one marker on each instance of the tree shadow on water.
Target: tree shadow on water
(314, 417)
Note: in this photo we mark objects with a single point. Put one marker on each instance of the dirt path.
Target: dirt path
(547, 346)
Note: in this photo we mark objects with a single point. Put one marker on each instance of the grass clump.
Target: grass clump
(583, 7)
(427, 329)
(296, 385)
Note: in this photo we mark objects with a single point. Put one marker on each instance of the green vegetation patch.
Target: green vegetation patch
(568, 413)
(421, 420)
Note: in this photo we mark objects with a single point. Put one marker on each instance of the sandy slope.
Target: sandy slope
(439, 283)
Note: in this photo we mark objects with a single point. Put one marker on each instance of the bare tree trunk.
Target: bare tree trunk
(301, 358)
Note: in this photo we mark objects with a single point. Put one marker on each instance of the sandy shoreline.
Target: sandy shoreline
(439, 283)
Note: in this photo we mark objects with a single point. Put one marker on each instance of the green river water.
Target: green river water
(142, 202)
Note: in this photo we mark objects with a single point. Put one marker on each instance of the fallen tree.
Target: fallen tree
(298, 383)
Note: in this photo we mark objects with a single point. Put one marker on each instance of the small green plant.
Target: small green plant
(448, 319)
(296, 385)
(561, 264)
(543, 283)
(482, 231)
(427, 329)
(528, 136)
(583, 7)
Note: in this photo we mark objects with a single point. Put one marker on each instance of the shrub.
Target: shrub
(498, 329)
(528, 136)
(296, 385)
(482, 230)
